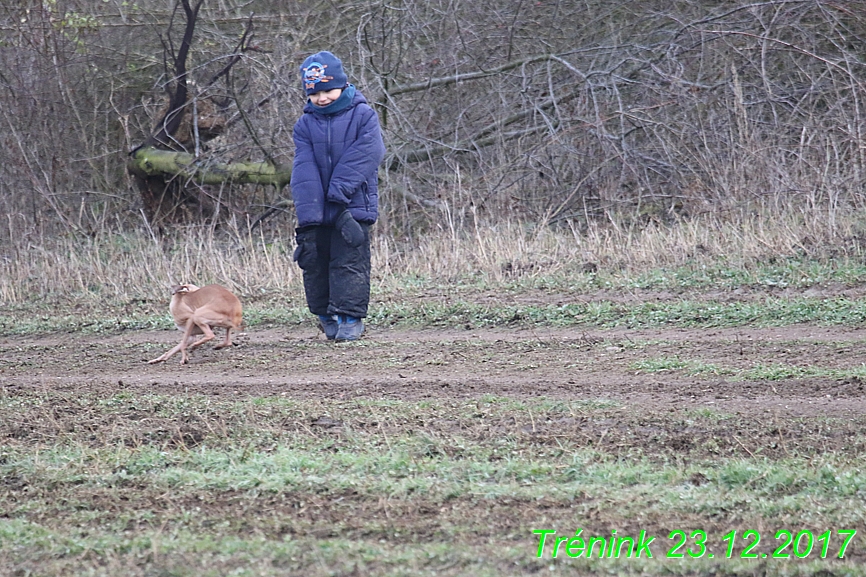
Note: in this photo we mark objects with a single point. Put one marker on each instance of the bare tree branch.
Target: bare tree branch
(169, 124)
(453, 79)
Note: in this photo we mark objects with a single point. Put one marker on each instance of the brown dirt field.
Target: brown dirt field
(773, 418)
(567, 365)
(419, 364)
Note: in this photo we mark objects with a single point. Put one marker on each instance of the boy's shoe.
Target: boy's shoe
(328, 324)
(349, 328)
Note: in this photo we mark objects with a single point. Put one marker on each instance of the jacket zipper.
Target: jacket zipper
(330, 161)
(330, 158)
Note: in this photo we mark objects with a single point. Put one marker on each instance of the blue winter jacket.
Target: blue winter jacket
(337, 157)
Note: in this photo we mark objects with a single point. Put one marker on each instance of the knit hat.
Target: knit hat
(322, 72)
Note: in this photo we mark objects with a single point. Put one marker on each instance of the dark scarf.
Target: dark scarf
(340, 103)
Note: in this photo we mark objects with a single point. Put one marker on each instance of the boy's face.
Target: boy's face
(325, 97)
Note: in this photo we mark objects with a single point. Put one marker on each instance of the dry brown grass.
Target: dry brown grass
(135, 265)
(513, 249)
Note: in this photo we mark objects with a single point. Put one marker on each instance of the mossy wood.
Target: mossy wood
(148, 162)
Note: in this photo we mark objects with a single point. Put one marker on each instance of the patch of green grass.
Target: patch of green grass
(459, 305)
(770, 312)
(780, 372)
(708, 274)
(774, 372)
(780, 273)
(691, 367)
(575, 485)
(397, 488)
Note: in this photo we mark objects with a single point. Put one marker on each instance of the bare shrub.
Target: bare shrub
(567, 114)
(657, 112)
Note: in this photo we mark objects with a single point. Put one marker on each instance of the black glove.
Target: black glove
(306, 252)
(350, 230)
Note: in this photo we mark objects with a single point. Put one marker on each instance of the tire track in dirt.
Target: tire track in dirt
(561, 364)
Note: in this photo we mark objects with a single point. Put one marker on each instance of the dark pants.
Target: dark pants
(338, 281)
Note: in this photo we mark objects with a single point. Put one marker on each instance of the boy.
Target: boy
(338, 149)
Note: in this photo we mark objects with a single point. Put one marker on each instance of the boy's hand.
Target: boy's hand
(306, 252)
(349, 229)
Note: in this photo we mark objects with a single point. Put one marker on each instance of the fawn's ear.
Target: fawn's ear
(179, 288)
